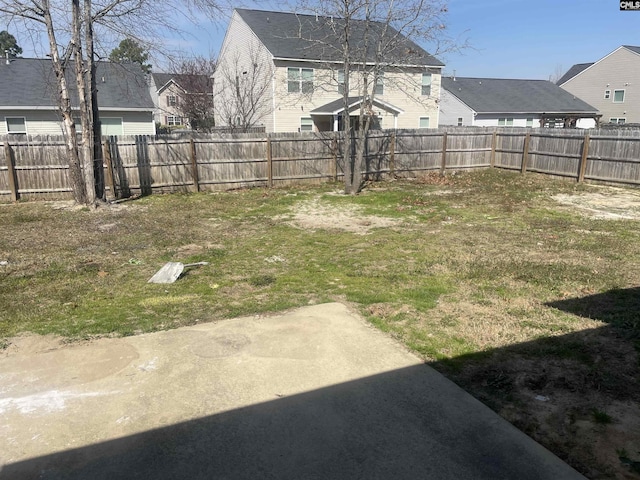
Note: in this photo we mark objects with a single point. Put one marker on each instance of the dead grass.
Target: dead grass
(516, 287)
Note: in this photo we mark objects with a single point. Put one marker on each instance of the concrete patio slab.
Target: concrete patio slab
(312, 393)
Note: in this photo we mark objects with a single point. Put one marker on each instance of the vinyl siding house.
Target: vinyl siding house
(493, 102)
(167, 92)
(28, 102)
(292, 61)
(611, 84)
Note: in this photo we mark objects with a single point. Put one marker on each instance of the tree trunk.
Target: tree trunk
(98, 169)
(69, 129)
(85, 111)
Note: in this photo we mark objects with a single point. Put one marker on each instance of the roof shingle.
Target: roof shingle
(30, 82)
(307, 37)
(499, 95)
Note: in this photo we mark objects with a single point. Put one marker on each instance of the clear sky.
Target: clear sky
(508, 38)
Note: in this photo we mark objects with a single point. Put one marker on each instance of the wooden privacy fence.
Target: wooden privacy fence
(36, 167)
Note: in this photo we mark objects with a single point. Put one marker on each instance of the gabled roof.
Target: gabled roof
(573, 71)
(337, 106)
(578, 68)
(30, 83)
(499, 95)
(632, 48)
(187, 82)
(307, 37)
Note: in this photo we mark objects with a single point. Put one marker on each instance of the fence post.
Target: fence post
(11, 171)
(525, 153)
(443, 164)
(392, 154)
(194, 166)
(334, 164)
(269, 164)
(494, 143)
(583, 158)
(106, 148)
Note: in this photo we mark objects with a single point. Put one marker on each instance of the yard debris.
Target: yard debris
(541, 398)
(275, 259)
(171, 271)
(4, 263)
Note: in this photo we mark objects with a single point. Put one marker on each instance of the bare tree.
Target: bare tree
(241, 90)
(72, 29)
(362, 40)
(557, 74)
(195, 103)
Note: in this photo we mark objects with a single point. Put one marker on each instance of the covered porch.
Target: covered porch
(329, 117)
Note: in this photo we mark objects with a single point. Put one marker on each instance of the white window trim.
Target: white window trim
(614, 95)
(508, 122)
(175, 100)
(340, 83)
(607, 94)
(311, 125)
(422, 85)
(174, 124)
(420, 122)
(616, 120)
(6, 125)
(300, 80)
(379, 83)
(529, 122)
(119, 118)
(460, 121)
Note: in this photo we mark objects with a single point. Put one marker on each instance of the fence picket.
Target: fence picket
(233, 160)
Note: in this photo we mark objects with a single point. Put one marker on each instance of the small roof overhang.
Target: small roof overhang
(337, 106)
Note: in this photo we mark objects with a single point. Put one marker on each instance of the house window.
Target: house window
(111, 126)
(341, 82)
(300, 80)
(16, 125)
(306, 124)
(607, 94)
(505, 122)
(619, 121)
(379, 89)
(426, 84)
(529, 122)
(460, 121)
(424, 122)
(173, 120)
(172, 100)
(618, 96)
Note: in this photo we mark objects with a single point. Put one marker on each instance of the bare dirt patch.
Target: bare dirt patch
(314, 215)
(610, 204)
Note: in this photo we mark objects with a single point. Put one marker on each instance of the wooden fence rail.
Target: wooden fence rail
(36, 167)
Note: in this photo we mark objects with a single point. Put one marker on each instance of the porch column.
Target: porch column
(335, 123)
(395, 121)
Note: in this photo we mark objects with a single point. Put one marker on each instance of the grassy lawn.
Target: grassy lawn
(531, 306)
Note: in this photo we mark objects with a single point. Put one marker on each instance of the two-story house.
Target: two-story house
(170, 93)
(286, 71)
(611, 84)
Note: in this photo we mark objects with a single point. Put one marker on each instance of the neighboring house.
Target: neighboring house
(28, 98)
(291, 62)
(489, 102)
(168, 92)
(611, 84)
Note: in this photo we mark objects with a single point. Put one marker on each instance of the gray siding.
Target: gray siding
(240, 47)
(451, 108)
(620, 70)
